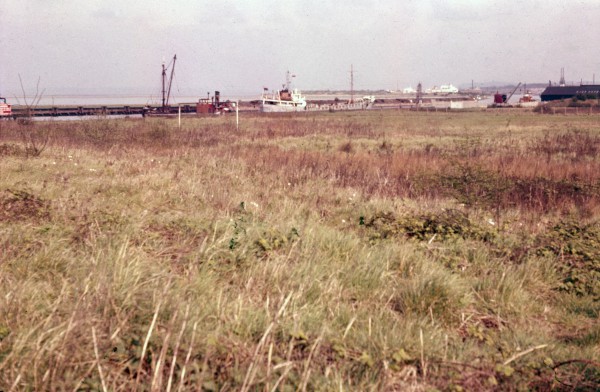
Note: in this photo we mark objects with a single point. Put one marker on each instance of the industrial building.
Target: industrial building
(553, 93)
(562, 91)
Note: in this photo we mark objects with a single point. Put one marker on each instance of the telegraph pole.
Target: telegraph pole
(351, 83)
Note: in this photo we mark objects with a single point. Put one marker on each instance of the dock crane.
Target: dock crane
(502, 99)
(511, 94)
(167, 93)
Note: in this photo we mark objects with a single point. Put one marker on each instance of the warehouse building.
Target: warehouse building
(553, 93)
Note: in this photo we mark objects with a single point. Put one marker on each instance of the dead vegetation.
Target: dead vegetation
(19, 205)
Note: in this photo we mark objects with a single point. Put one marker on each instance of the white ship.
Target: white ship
(291, 100)
(284, 100)
(444, 89)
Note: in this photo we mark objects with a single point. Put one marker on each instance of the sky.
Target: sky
(239, 47)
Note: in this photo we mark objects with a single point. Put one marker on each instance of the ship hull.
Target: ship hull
(281, 107)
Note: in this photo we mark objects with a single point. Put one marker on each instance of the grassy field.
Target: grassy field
(355, 251)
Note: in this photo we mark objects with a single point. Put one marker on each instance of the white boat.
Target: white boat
(444, 89)
(284, 100)
(291, 100)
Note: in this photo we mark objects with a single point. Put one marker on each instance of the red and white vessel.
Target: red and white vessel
(5, 108)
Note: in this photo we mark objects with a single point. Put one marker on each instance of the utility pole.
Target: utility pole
(351, 83)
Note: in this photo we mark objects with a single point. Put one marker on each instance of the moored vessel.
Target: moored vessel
(284, 100)
(5, 108)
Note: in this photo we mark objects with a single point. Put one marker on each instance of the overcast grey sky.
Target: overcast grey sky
(117, 46)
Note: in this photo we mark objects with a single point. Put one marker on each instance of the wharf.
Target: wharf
(98, 110)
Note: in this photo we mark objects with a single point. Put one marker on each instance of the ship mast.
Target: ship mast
(164, 76)
(171, 79)
(288, 80)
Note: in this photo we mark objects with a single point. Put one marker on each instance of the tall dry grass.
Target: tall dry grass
(361, 251)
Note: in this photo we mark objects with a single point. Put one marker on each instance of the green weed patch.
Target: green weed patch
(576, 247)
(446, 225)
